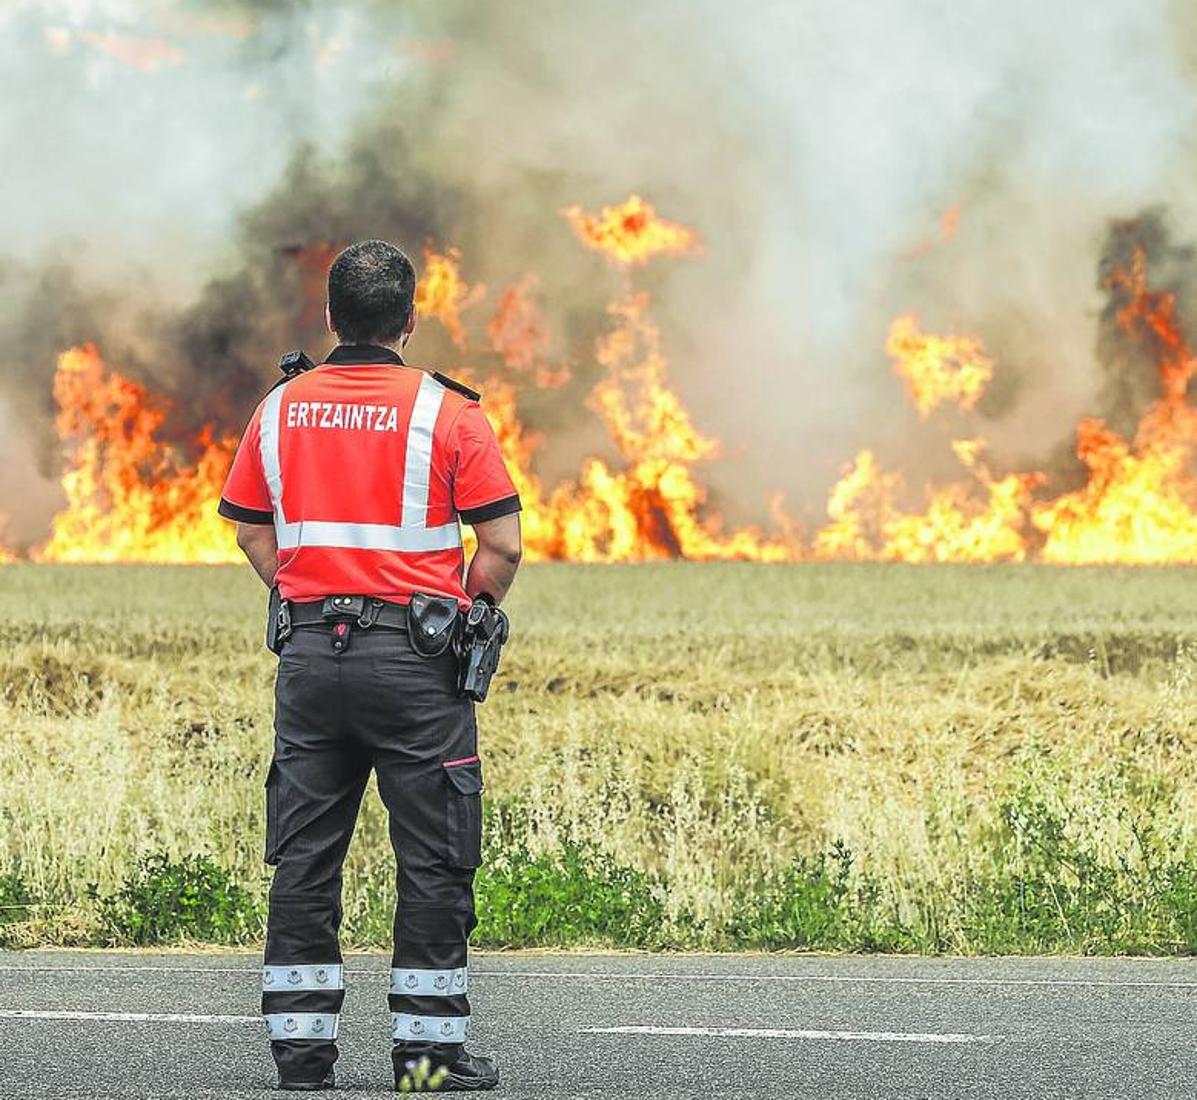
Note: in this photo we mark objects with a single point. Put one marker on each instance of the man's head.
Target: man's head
(371, 293)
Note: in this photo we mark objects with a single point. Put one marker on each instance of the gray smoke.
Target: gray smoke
(174, 211)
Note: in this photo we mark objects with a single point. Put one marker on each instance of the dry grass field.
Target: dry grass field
(842, 757)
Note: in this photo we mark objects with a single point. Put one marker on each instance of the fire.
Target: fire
(949, 223)
(631, 234)
(937, 369)
(518, 333)
(981, 520)
(1139, 501)
(131, 496)
(1138, 504)
(146, 54)
(652, 507)
(444, 295)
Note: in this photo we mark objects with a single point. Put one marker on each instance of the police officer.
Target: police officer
(347, 491)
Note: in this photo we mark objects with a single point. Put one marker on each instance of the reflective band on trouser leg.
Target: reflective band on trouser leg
(302, 978)
(268, 432)
(367, 536)
(302, 1025)
(406, 1028)
(417, 463)
(413, 982)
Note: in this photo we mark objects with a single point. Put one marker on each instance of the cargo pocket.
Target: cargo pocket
(272, 815)
(464, 811)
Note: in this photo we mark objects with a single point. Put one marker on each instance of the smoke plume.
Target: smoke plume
(179, 175)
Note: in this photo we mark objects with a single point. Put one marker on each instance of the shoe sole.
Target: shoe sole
(453, 1083)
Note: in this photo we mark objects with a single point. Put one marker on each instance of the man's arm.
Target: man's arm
(493, 566)
(258, 543)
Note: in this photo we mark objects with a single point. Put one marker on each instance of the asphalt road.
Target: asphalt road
(136, 1025)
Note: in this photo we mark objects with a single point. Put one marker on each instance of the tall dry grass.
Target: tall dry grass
(963, 759)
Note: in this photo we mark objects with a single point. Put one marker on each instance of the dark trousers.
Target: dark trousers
(375, 704)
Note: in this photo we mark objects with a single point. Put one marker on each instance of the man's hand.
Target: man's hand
(493, 566)
(258, 543)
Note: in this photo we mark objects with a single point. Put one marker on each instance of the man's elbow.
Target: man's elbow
(501, 539)
(248, 535)
(509, 553)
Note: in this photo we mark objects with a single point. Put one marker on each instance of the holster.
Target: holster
(278, 622)
(483, 636)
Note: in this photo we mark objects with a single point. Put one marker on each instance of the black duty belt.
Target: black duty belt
(366, 611)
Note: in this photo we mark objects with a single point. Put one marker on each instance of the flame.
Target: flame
(518, 333)
(949, 223)
(653, 507)
(1139, 501)
(145, 54)
(133, 497)
(444, 295)
(631, 233)
(982, 520)
(936, 369)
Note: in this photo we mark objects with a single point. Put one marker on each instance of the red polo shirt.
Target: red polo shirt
(365, 467)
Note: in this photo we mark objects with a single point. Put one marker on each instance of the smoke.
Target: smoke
(183, 172)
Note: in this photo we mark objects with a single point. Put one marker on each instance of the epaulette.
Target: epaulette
(460, 387)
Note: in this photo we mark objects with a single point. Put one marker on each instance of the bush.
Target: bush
(817, 903)
(193, 899)
(570, 896)
(1050, 889)
(15, 898)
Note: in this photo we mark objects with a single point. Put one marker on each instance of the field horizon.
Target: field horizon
(679, 756)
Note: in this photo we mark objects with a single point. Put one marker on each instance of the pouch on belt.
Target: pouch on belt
(431, 623)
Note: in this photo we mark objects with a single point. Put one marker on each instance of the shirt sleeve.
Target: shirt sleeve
(482, 487)
(246, 496)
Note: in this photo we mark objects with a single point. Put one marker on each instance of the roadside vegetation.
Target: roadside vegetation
(949, 759)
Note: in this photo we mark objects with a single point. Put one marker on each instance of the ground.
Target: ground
(77, 1026)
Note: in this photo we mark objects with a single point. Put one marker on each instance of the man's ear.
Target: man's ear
(328, 318)
(410, 327)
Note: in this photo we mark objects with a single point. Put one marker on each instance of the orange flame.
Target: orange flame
(654, 506)
(132, 497)
(443, 294)
(978, 521)
(936, 369)
(1139, 502)
(519, 334)
(146, 54)
(631, 234)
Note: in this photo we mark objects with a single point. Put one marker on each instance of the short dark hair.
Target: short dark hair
(371, 293)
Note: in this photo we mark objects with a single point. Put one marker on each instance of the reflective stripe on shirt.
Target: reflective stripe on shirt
(413, 535)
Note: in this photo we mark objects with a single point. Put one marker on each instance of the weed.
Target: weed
(163, 901)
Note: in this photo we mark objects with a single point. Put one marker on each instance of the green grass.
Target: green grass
(948, 759)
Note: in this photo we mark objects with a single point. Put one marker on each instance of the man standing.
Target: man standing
(347, 490)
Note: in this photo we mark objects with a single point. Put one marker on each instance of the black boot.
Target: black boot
(449, 1069)
(329, 1082)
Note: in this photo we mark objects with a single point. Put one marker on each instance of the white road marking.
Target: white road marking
(127, 1017)
(788, 1033)
(635, 976)
(847, 979)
